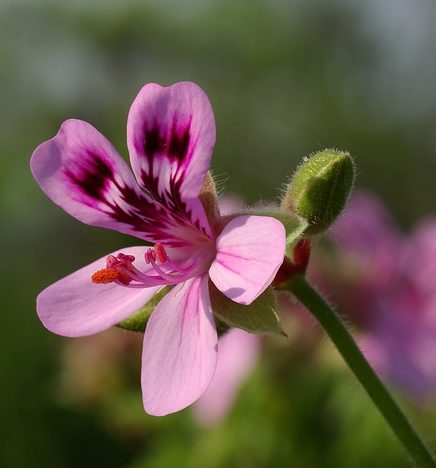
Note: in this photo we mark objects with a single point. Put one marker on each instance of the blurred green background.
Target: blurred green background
(285, 78)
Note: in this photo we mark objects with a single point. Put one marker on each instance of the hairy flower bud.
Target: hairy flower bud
(319, 188)
(209, 198)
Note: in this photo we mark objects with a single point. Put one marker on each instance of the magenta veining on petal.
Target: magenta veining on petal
(94, 178)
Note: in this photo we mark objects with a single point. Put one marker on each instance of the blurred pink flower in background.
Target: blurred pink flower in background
(238, 352)
(390, 292)
(368, 234)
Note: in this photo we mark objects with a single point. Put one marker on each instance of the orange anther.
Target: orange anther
(105, 276)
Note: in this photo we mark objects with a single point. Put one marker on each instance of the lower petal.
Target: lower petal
(75, 306)
(180, 349)
(250, 250)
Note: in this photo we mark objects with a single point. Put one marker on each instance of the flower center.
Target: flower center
(120, 269)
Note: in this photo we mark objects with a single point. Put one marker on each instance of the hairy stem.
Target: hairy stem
(350, 352)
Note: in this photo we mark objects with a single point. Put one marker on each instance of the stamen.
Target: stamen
(105, 276)
(123, 276)
(120, 270)
(161, 255)
(117, 270)
(126, 258)
(120, 260)
(168, 276)
(150, 256)
(111, 262)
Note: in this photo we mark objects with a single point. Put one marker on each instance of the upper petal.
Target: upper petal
(81, 171)
(171, 136)
(75, 306)
(250, 250)
(180, 349)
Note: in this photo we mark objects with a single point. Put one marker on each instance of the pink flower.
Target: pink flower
(402, 339)
(366, 260)
(401, 343)
(170, 138)
(392, 293)
(238, 352)
(368, 234)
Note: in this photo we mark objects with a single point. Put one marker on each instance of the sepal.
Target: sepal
(209, 198)
(138, 321)
(259, 317)
(295, 226)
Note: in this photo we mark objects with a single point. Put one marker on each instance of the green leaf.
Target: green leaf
(138, 321)
(258, 317)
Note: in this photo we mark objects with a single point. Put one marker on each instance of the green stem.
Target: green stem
(352, 355)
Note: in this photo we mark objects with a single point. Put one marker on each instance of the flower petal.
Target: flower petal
(171, 136)
(180, 349)
(250, 250)
(81, 171)
(75, 306)
(237, 355)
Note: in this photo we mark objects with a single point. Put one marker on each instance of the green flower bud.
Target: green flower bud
(320, 188)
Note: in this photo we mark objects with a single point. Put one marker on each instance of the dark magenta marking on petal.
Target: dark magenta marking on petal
(92, 177)
(173, 144)
(156, 218)
(153, 141)
(148, 213)
(179, 143)
(151, 184)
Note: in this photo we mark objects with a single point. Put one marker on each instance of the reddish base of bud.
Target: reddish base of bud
(297, 265)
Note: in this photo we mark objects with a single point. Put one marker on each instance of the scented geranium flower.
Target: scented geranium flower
(170, 138)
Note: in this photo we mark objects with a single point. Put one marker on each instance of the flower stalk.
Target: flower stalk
(350, 352)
